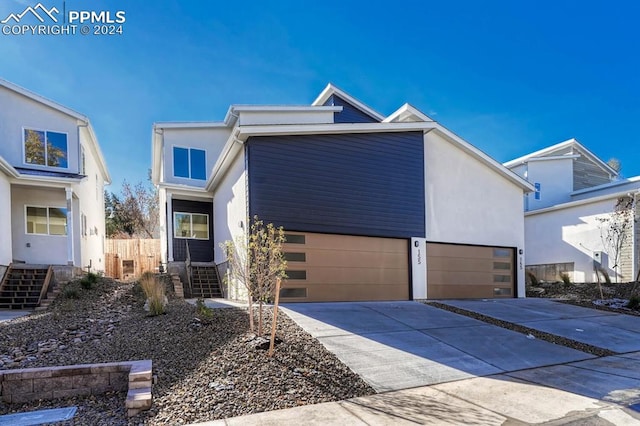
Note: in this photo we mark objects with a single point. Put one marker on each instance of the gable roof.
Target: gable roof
(333, 90)
(95, 147)
(570, 143)
(407, 113)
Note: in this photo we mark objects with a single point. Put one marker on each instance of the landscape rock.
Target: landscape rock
(206, 368)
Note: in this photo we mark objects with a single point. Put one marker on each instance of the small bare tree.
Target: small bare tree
(258, 262)
(615, 227)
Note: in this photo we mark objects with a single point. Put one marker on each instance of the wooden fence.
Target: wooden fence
(127, 259)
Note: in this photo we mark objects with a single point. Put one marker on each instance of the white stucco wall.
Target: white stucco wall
(25, 112)
(5, 222)
(556, 182)
(44, 249)
(230, 206)
(289, 117)
(469, 203)
(211, 140)
(90, 195)
(568, 235)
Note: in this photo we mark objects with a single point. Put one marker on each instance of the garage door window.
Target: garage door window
(500, 252)
(502, 265)
(294, 239)
(297, 275)
(295, 257)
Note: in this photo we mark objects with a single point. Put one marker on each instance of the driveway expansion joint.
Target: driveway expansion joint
(523, 329)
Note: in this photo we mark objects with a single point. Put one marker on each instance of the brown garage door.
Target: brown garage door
(464, 272)
(324, 268)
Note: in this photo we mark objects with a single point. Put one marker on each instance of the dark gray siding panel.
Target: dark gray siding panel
(349, 113)
(356, 184)
(201, 250)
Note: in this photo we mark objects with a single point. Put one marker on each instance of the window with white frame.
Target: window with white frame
(191, 225)
(45, 148)
(46, 220)
(189, 163)
(83, 223)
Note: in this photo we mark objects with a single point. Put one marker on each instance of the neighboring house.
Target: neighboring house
(374, 207)
(567, 218)
(52, 177)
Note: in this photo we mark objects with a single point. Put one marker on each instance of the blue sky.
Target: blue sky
(510, 77)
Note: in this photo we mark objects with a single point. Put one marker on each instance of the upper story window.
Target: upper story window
(189, 163)
(45, 148)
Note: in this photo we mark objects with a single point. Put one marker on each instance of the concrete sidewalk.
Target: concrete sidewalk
(617, 332)
(400, 345)
(9, 314)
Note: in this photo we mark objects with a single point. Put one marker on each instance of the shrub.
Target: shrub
(70, 292)
(565, 278)
(202, 309)
(86, 283)
(634, 302)
(92, 277)
(533, 280)
(155, 292)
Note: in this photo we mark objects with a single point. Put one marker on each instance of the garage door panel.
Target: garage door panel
(339, 258)
(447, 291)
(464, 271)
(469, 265)
(333, 292)
(458, 277)
(347, 268)
(346, 276)
(459, 251)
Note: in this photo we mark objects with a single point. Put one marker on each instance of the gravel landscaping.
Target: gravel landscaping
(616, 296)
(207, 368)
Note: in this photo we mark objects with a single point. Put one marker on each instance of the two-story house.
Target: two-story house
(576, 220)
(52, 177)
(374, 207)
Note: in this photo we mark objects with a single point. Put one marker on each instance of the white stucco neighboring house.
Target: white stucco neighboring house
(52, 177)
(569, 218)
(375, 207)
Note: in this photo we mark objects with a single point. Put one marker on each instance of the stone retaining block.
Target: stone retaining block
(32, 384)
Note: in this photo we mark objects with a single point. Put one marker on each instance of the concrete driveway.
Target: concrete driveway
(617, 332)
(400, 345)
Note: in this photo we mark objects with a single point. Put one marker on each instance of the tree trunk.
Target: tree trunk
(251, 325)
(260, 317)
(275, 319)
